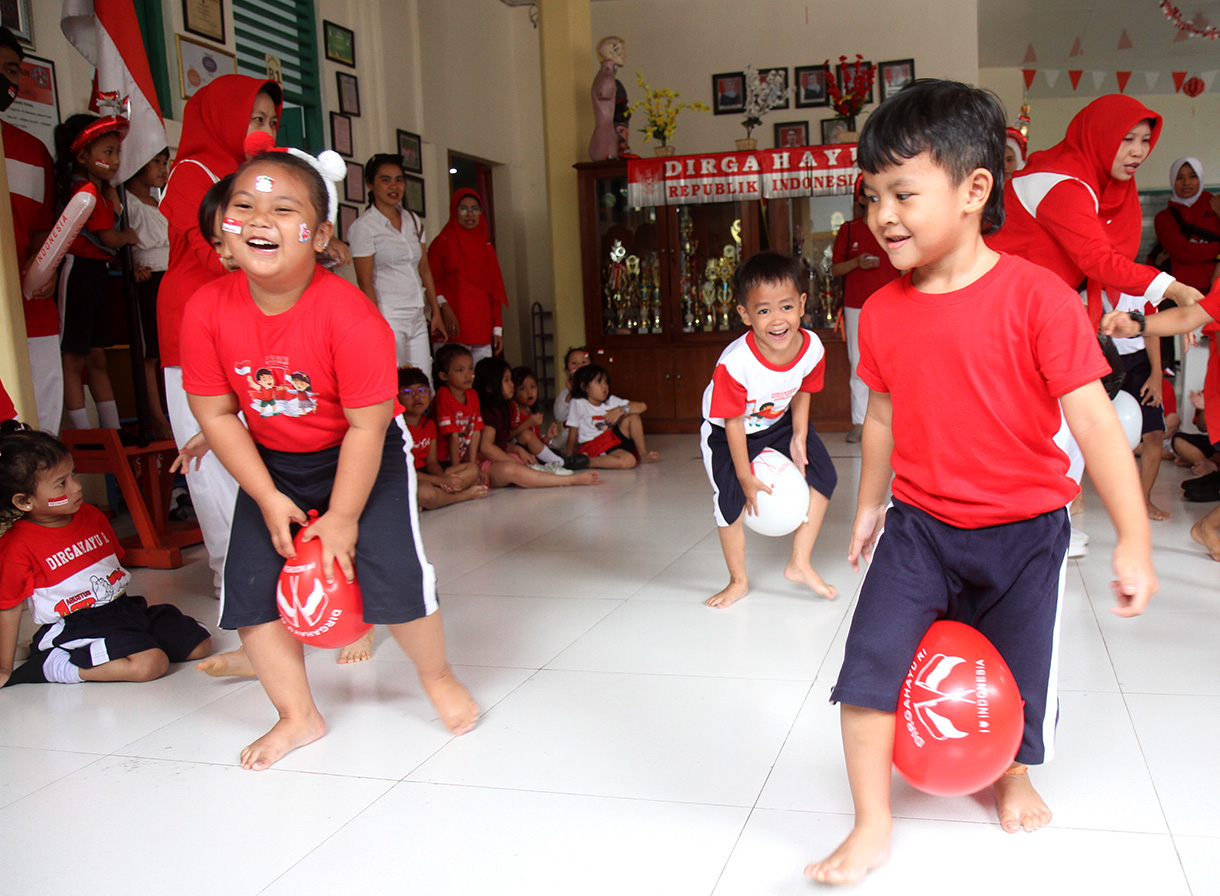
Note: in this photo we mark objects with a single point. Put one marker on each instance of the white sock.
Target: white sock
(546, 455)
(58, 667)
(108, 414)
(79, 418)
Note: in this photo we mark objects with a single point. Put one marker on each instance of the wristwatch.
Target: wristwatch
(1138, 317)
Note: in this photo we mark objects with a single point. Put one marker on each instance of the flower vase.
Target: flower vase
(747, 143)
(663, 150)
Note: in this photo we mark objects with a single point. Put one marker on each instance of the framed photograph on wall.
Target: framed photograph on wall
(349, 93)
(411, 149)
(353, 184)
(200, 64)
(846, 70)
(832, 128)
(15, 15)
(895, 75)
(205, 18)
(347, 217)
(728, 93)
(341, 134)
(762, 76)
(791, 133)
(811, 86)
(36, 108)
(413, 198)
(340, 43)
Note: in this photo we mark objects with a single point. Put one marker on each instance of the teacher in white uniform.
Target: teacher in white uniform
(387, 245)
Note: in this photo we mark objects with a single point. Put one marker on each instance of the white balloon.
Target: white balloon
(787, 506)
(1130, 415)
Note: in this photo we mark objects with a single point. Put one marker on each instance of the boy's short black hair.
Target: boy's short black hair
(766, 267)
(8, 39)
(443, 358)
(412, 376)
(584, 376)
(959, 126)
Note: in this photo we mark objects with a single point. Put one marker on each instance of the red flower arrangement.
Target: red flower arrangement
(857, 87)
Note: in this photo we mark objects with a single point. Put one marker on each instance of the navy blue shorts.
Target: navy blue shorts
(1139, 368)
(1197, 439)
(124, 626)
(729, 499)
(1006, 581)
(397, 583)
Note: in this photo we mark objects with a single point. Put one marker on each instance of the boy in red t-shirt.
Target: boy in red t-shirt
(968, 337)
(437, 487)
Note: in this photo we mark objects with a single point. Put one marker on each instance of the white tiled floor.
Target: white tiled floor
(633, 741)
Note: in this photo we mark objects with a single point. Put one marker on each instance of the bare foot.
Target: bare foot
(234, 664)
(1206, 536)
(457, 710)
(1202, 468)
(586, 477)
(650, 457)
(284, 737)
(865, 849)
(471, 494)
(805, 575)
(1018, 804)
(732, 593)
(359, 650)
(1155, 513)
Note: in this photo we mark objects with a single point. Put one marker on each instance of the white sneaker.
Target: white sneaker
(1077, 544)
(556, 467)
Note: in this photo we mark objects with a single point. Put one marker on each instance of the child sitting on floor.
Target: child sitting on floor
(605, 427)
(61, 557)
(436, 486)
(526, 421)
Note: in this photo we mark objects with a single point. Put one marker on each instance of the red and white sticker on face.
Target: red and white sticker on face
(263, 183)
(230, 225)
(58, 502)
(305, 234)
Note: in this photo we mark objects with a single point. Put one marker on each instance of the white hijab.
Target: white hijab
(1173, 176)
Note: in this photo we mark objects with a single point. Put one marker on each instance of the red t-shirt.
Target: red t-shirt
(61, 570)
(975, 378)
(101, 218)
(7, 410)
(295, 372)
(1211, 379)
(31, 191)
(1193, 260)
(453, 416)
(854, 238)
(422, 437)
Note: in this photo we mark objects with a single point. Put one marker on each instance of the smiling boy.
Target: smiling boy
(969, 354)
(777, 366)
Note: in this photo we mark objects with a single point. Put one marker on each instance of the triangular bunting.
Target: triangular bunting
(1077, 48)
(1074, 75)
(1029, 76)
(1124, 41)
(1123, 78)
(1178, 78)
(1029, 55)
(1098, 77)
(1150, 78)
(1208, 78)
(1052, 75)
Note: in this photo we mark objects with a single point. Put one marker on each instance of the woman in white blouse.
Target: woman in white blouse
(387, 244)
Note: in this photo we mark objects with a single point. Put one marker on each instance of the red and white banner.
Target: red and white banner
(107, 33)
(732, 176)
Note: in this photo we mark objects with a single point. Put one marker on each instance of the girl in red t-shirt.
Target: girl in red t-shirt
(437, 486)
(345, 454)
(88, 157)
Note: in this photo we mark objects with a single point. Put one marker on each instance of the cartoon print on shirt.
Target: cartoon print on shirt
(765, 411)
(276, 392)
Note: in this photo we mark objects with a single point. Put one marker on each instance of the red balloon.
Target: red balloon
(316, 613)
(960, 714)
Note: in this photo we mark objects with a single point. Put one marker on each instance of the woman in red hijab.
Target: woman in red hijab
(469, 285)
(1074, 208)
(215, 124)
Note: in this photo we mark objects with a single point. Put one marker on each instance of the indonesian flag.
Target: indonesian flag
(107, 33)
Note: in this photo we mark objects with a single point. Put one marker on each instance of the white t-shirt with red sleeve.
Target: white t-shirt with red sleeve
(975, 378)
(588, 419)
(61, 570)
(295, 372)
(745, 384)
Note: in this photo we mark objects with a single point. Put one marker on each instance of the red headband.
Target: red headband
(111, 124)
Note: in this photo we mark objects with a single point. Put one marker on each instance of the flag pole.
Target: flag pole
(135, 331)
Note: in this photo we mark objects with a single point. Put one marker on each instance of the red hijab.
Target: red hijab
(468, 254)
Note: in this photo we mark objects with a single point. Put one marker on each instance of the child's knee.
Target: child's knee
(148, 665)
(625, 459)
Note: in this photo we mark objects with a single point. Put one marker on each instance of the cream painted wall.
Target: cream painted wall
(1189, 125)
(680, 45)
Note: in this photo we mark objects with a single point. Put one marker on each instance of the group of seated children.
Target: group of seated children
(482, 428)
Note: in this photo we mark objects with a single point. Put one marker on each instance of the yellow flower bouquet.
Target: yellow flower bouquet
(661, 108)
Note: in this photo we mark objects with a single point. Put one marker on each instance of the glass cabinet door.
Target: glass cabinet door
(708, 252)
(629, 262)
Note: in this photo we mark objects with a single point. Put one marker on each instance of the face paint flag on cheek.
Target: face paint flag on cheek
(263, 183)
(305, 234)
(58, 502)
(230, 225)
